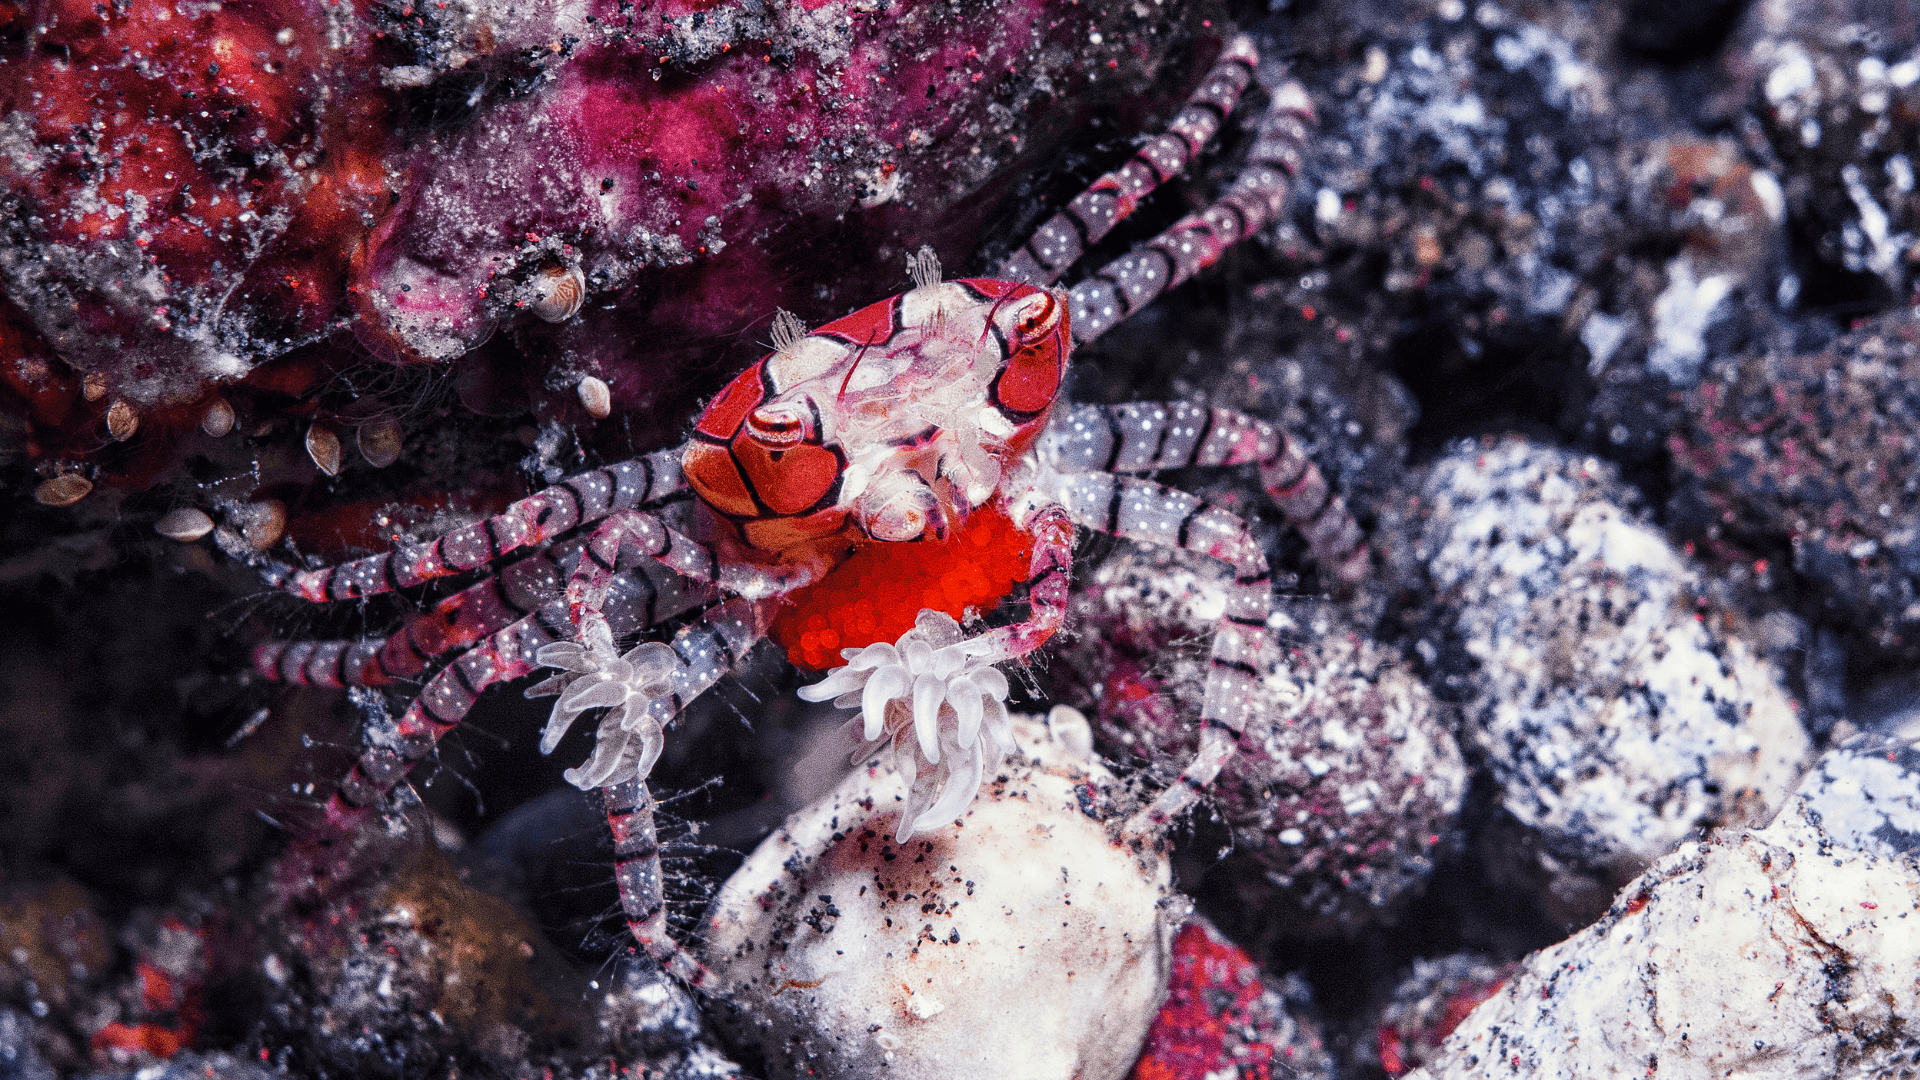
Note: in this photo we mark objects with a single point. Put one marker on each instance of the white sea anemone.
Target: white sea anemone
(593, 676)
(941, 706)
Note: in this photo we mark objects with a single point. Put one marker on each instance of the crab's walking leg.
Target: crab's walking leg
(1093, 213)
(703, 653)
(1152, 513)
(648, 534)
(465, 617)
(650, 592)
(1258, 196)
(637, 870)
(571, 502)
(1150, 436)
(443, 703)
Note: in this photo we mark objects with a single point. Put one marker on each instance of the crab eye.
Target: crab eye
(781, 424)
(1039, 317)
(1036, 354)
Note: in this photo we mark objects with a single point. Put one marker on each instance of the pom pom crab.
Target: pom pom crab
(892, 438)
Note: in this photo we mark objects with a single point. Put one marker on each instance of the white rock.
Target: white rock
(1025, 938)
(1866, 794)
(1617, 713)
(1768, 955)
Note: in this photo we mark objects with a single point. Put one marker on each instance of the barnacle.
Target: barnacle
(593, 676)
(943, 709)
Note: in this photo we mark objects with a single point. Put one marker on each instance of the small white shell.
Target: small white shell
(323, 446)
(595, 397)
(93, 385)
(185, 525)
(122, 421)
(218, 419)
(380, 442)
(63, 490)
(558, 293)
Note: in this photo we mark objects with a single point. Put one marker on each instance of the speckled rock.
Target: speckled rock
(1025, 924)
(1619, 712)
(1344, 787)
(1833, 89)
(1777, 953)
(1478, 204)
(398, 961)
(1813, 457)
(1865, 794)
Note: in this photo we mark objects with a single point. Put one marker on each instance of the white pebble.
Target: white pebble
(1768, 955)
(1617, 714)
(1026, 936)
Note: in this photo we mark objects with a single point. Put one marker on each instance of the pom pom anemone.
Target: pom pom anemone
(942, 706)
(627, 685)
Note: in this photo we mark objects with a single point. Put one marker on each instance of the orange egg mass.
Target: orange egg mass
(877, 593)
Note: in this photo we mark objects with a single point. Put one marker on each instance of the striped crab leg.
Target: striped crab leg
(651, 536)
(1258, 196)
(649, 593)
(1106, 202)
(1147, 512)
(1150, 436)
(441, 705)
(574, 501)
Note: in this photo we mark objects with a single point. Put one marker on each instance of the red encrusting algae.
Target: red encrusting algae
(1220, 1017)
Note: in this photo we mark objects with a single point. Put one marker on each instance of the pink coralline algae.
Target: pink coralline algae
(183, 187)
(1220, 1018)
(194, 191)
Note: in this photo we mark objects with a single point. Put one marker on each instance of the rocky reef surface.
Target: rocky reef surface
(1599, 315)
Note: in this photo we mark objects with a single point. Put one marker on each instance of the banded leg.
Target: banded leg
(637, 871)
(461, 619)
(569, 503)
(646, 592)
(1093, 213)
(442, 704)
(1150, 436)
(647, 534)
(1151, 513)
(1258, 195)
